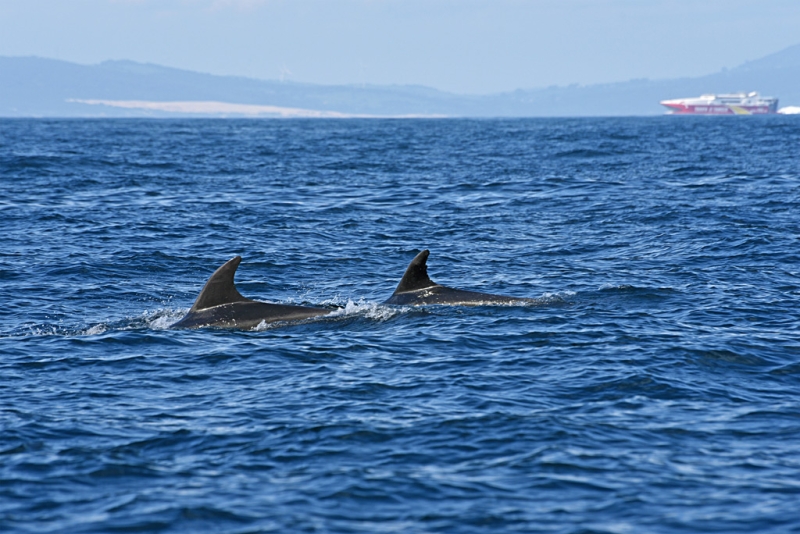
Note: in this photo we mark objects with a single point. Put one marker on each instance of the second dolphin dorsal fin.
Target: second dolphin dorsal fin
(416, 276)
(220, 289)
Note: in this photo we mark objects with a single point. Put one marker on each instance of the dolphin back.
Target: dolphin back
(416, 275)
(417, 289)
(221, 305)
(220, 288)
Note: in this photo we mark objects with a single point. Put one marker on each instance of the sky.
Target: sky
(461, 46)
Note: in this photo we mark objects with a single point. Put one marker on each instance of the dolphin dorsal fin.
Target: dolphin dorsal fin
(416, 276)
(220, 289)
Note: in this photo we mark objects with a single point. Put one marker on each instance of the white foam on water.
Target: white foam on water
(44, 330)
(94, 330)
(606, 287)
(369, 310)
(262, 326)
(558, 296)
(162, 319)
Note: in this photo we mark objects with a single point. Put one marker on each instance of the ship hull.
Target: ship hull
(682, 109)
(723, 104)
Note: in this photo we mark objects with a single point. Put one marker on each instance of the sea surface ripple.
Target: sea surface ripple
(657, 389)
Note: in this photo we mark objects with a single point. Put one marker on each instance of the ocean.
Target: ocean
(654, 387)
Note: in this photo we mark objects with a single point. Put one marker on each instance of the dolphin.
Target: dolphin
(221, 305)
(416, 289)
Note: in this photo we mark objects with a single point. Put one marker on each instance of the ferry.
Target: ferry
(729, 104)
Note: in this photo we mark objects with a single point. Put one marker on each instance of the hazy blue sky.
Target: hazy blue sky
(465, 46)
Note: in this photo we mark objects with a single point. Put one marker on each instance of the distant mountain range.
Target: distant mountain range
(37, 87)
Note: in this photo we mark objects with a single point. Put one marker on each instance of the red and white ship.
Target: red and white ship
(731, 104)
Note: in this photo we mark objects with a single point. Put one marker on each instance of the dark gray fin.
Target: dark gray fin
(416, 276)
(220, 289)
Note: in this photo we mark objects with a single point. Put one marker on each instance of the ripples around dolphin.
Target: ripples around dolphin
(651, 388)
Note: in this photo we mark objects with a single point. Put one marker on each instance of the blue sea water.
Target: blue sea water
(656, 389)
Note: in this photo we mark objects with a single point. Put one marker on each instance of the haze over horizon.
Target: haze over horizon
(460, 46)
